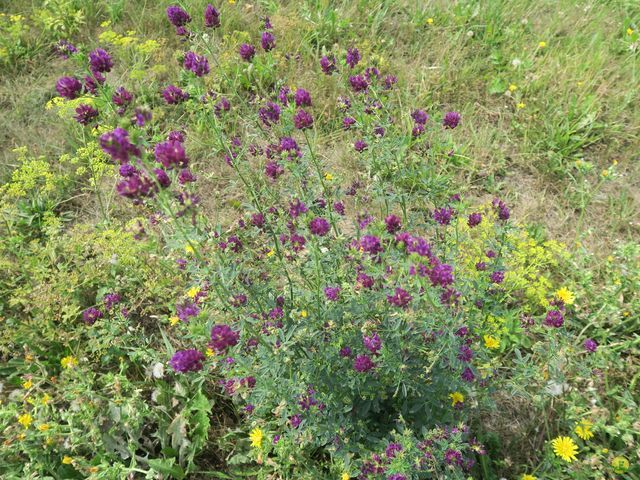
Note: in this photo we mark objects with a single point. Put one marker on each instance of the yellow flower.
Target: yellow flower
(520, 105)
(328, 177)
(271, 252)
(629, 31)
(566, 296)
(67, 460)
(45, 399)
(526, 476)
(430, 21)
(210, 352)
(189, 249)
(456, 398)
(583, 429)
(542, 44)
(303, 314)
(173, 321)
(192, 292)
(256, 437)
(105, 24)
(620, 464)
(605, 173)
(43, 428)
(491, 342)
(513, 87)
(27, 385)
(25, 420)
(69, 362)
(565, 448)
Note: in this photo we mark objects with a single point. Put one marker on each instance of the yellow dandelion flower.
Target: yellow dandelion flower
(565, 448)
(491, 342)
(456, 398)
(256, 436)
(303, 314)
(43, 428)
(67, 460)
(542, 44)
(583, 429)
(520, 105)
(526, 476)
(430, 21)
(189, 250)
(629, 31)
(69, 362)
(345, 476)
(25, 420)
(620, 464)
(513, 87)
(192, 292)
(328, 177)
(173, 321)
(605, 173)
(565, 295)
(27, 385)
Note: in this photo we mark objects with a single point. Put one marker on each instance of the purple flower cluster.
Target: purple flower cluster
(363, 363)
(247, 52)
(211, 17)
(90, 315)
(198, 64)
(173, 95)
(451, 120)
(184, 361)
(223, 337)
(116, 143)
(319, 226)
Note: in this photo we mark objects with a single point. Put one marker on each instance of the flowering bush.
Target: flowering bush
(369, 326)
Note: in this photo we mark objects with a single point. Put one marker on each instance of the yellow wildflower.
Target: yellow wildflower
(566, 296)
(69, 362)
(629, 31)
(210, 352)
(583, 429)
(256, 437)
(192, 292)
(271, 252)
(526, 476)
(513, 87)
(456, 398)
(303, 314)
(565, 448)
(27, 384)
(189, 249)
(491, 342)
(520, 105)
(542, 44)
(67, 460)
(25, 420)
(345, 476)
(45, 399)
(173, 321)
(328, 177)
(430, 21)
(43, 428)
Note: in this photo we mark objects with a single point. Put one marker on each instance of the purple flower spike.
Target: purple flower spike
(211, 17)
(247, 52)
(68, 87)
(184, 361)
(451, 120)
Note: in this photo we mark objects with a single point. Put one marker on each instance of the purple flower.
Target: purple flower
(332, 293)
(417, 130)
(302, 98)
(176, 136)
(441, 274)
(497, 277)
(295, 420)
(338, 207)
(297, 208)
(363, 363)
(85, 114)
(348, 122)
(451, 120)
(390, 81)
(65, 48)
(590, 345)
(198, 64)
(353, 57)
(173, 95)
(400, 298)
(481, 266)
(100, 61)
(222, 106)
(187, 361)
(92, 81)
(328, 64)
(397, 476)
(453, 457)
(283, 95)
(420, 117)
(135, 187)
(360, 146)
(142, 116)
(273, 169)
(223, 337)
(345, 352)
(503, 210)
(379, 131)
(111, 299)
(247, 52)
(319, 226)
(68, 87)
(211, 17)
(467, 375)
(116, 144)
(373, 343)
(554, 318)
(171, 154)
(474, 219)
(358, 83)
(393, 223)
(465, 354)
(371, 244)
(90, 315)
(121, 97)
(443, 215)
(187, 310)
(269, 114)
(268, 41)
(161, 176)
(177, 16)
(365, 281)
(186, 176)
(302, 120)
(392, 450)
